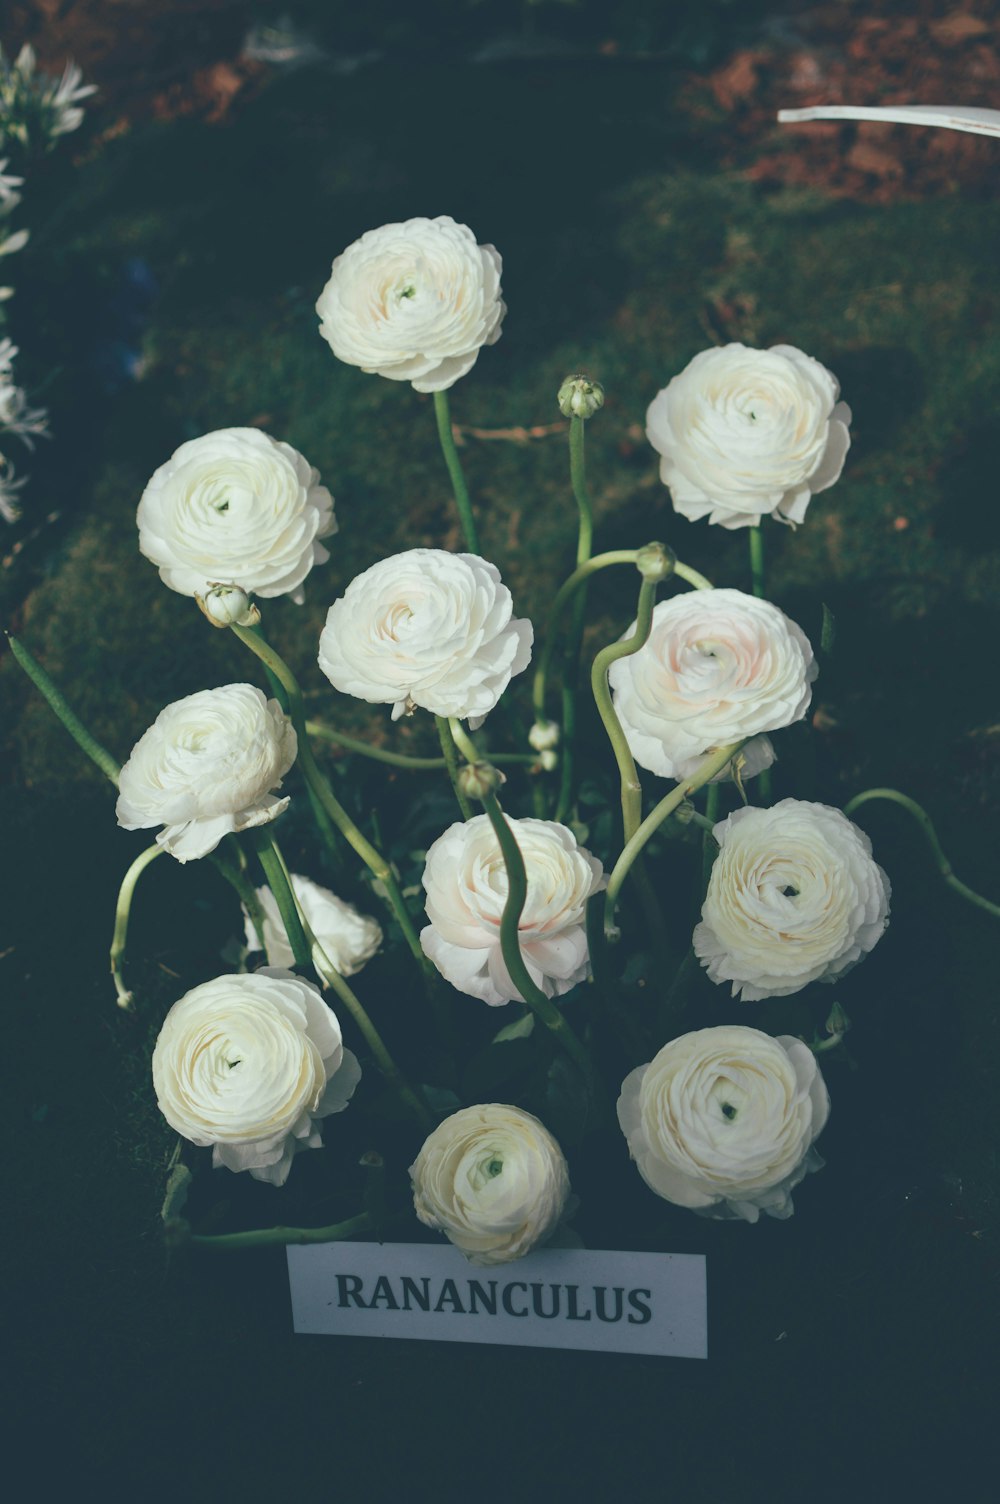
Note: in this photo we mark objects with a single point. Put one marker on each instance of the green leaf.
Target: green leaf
(521, 1028)
(176, 1193)
(441, 1100)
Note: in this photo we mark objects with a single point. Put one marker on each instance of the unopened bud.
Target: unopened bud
(478, 779)
(228, 606)
(543, 736)
(655, 561)
(579, 397)
(549, 760)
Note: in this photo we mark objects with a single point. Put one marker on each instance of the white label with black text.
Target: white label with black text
(556, 1297)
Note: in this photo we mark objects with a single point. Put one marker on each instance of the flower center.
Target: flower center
(494, 1167)
(728, 1111)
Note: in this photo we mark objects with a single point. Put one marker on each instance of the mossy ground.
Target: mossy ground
(851, 1336)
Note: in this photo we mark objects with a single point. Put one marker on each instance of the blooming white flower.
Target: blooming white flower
(426, 629)
(248, 1064)
(205, 768)
(794, 897)
(743, 434)
(718, 666)
(494, 1180)
(466, 883)
(722, 1120)
(235, 507)
(414, 301)
(344, 936)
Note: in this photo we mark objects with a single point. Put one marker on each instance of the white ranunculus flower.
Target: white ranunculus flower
(722, 1121)
(494, 1180)
(466, 883)
(248, 1064)
(426, 629)
(414, 301)
(347, 938)
(744, 434)
(794, 897)
(718, 666)
(235, 507)
(206, 767)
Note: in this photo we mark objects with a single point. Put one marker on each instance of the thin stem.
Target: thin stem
(236, 876)
(631, 789)
(463, 741)
(510, 943)
(757, 561)
(714, 763)
(123, 909)
(262, 1237)
(57, 703)
(451, 762)
(325, 733)
(691, 576)
(563, 595)
(443, 415)
(574, 640)
(923, 820)
(373, 859)
(709, 845)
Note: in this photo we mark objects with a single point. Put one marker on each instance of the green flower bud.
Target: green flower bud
(477, 779)
(579, 397)
(228, 606)
(655, 561)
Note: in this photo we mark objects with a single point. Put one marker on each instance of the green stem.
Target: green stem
(235, 875)
(75, 727)
(262, 1237)
(923, 820)
(123, 909)
(714, 763)
(510, 943)
(373, 859)
(709, 845)
(574, 640)
(325, 733)
(757, 561)
(451, 762)
(691, 576)
(563, 595)
(631, 789)
(443, 415)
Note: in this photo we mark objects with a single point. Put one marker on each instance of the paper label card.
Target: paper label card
(600, 1301)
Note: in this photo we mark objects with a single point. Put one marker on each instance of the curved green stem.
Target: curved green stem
(373, 859)
(714, 763)
(442, 413)
(451, 763)
(236, 876)
(278, 881)
(123, 909)
(631, 789)
(563, 595)
(262, 1237)
(325, 733)
(57, 703)
(893, 796)
(510, 944)
(574, 639)
(691, 576)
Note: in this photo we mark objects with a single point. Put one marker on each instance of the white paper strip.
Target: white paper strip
(651, 1303)
(954, 117)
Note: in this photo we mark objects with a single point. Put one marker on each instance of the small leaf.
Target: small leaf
(176, 1193)
(521, 1028)
(441, 1100)
(828, 634)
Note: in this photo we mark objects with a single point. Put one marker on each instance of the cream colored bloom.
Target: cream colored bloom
(794, 897)
(248, 1064)
(235, 507)
(722, 1120)
(466, 883)
(414, 301)
(744, 434)
(206, 767)
(718, 666)
(426, 629)
(493, 1180)
(345, 937)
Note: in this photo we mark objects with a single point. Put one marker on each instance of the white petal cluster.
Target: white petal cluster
(494, 1180)
(414, 301)
(248, 1064)
(744, 434)
(794, 897)
(466, 883)
(722, 1121)
(235, 507)
(426, 629)
(718, 666)
(344, 936)
(206, 768)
